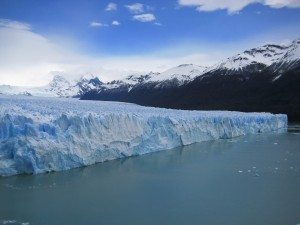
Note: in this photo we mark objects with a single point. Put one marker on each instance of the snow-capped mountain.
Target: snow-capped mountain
(265, 78)
(262, 57)
(58, 87)
(62, 87)
(272, 57)
(129, 81)
(278, 57)
(175, 76)
(184, 72)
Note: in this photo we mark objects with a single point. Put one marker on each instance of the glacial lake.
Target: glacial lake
(252, 180)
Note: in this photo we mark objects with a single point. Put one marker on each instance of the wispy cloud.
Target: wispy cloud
(115, 23)
(233, 6)
(98, 24)
(145, 18)
(27, 57)
(111, 7)
(135, 8)
(20, 65)
(282, 3)
(14, 24)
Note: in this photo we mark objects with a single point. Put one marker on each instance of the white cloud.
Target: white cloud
(148, 17)
(115, 23)
(135, 8)
(97, 24)
(157, 24)
(282, 3)
(28, 58)
(14, 24)
(233, 6)
(111, 7)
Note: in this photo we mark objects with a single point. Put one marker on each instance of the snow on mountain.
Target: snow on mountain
(134, 79)
(46, 134)
(265, 55)
(58, 87)
(291, 57)
(279, 58)
(184, 72)
(293, 53)
(130, 80)
(282, 57)
(61, 87)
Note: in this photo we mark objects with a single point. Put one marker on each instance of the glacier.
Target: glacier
(39, 134)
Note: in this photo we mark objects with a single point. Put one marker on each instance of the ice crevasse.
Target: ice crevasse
(50, 134)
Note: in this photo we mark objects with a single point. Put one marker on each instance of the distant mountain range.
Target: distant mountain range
(265, 78)
(58, 87)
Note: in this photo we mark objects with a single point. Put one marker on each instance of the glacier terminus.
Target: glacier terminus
(39, 134)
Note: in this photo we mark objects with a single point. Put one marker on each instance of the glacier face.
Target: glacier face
(46, 134)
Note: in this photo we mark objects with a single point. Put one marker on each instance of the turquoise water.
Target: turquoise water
(248, 180)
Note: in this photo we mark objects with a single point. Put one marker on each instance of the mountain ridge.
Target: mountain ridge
(263, 79)
(268, 74)
(278, 57)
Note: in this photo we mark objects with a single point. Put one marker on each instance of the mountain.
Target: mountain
(265, 78)
(58, 87)
(62, 87)
(280, 57)
(175, 76)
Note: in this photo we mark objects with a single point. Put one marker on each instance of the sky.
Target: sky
(112, 39)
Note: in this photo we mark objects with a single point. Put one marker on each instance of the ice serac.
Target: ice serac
(45, 134)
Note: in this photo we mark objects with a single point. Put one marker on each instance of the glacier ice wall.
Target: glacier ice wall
(44, 134)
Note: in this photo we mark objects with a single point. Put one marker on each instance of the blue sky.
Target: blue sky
(112, 38)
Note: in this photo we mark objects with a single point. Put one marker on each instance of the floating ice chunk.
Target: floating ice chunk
(9, 221)
(13, 222)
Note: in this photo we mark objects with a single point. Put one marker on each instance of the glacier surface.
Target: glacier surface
(50, 134)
